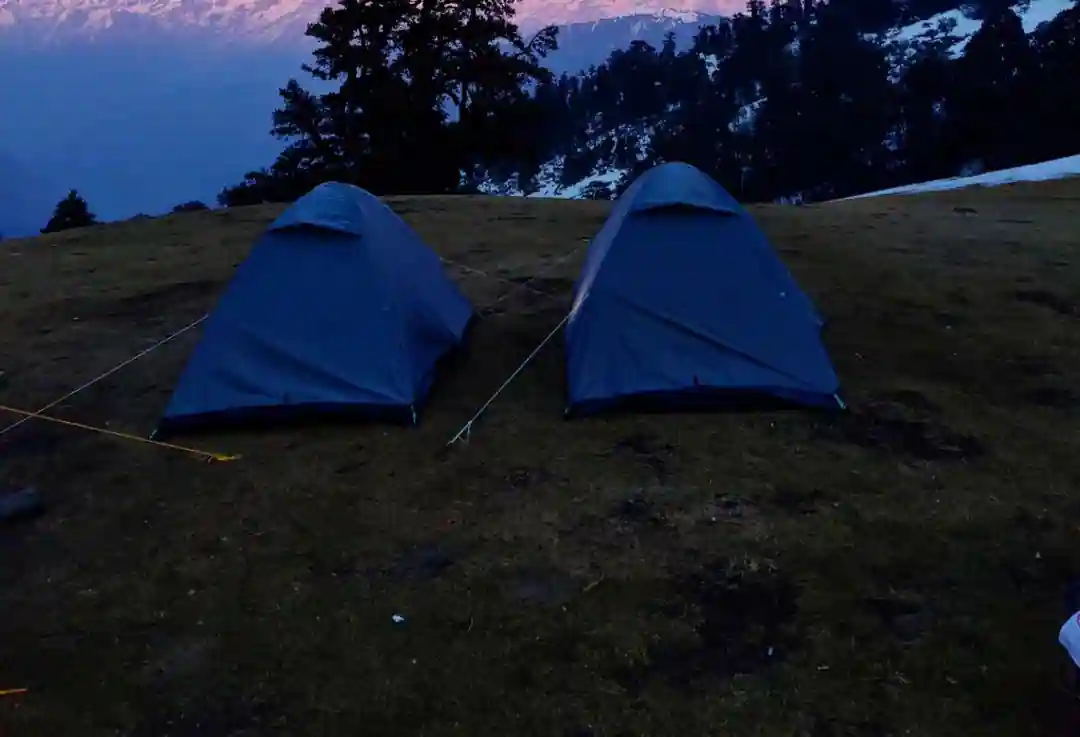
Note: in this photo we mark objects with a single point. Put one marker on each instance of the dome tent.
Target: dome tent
(683, 302)
(339, 308)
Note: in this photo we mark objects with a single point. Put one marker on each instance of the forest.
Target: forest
(792, 99)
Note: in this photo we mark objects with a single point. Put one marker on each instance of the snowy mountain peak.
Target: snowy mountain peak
(258, 19)
(269, 20)
(561, 12)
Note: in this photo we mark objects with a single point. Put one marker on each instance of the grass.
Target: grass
(898, 570)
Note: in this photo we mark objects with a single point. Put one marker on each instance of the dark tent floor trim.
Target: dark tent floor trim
(706, 399)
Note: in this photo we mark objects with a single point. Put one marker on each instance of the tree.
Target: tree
(923, 93)
(822, 128)
(596, 191)
(192, 206)
(1056, 112)
(70, 212)
(800, 98)
(991, 102)
(425, 90)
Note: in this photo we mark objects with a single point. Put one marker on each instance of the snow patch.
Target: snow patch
(712, 63)
(956, 27)
(1037, 13)
(575, 191)
(1046, 170)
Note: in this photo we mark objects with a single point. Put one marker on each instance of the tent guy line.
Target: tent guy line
(466, 429)
(31, 415)
(208, 455)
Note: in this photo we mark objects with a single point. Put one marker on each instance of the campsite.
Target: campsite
(896, 567)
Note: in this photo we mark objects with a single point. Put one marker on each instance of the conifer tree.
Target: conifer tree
(70, 212)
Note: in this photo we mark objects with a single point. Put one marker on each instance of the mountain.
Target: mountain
(35, 22)
(951, 29)
(582, 44)
(531, 13)
(142, 104)
(607, 154)
(42, 22)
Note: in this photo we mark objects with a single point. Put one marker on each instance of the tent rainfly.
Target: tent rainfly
(683, 303)
(339, 309)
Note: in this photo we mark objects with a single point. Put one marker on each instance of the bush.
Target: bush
(71, 212)
(192, 206)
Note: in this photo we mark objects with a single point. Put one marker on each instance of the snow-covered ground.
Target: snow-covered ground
(574, 192)
(549, 179)
(951, 30)
(1056, 169)
(955, 29)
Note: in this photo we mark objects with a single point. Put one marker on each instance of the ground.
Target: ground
(896, 570)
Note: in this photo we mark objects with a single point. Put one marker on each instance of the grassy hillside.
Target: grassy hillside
(898, 570)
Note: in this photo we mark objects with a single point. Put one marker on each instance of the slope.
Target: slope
(603, 152)
(1063, 168)
(651, 575)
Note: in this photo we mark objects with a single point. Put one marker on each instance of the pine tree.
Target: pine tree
(923, 92)
(1055, 113)
(823, 125)
(426, 89)
(71, 212)
(990, 104)
(191, 206)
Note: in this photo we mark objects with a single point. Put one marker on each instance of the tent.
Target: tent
(340, 308)
(682, 302)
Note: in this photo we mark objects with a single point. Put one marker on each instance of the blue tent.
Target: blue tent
(340, 308)
(683, 302)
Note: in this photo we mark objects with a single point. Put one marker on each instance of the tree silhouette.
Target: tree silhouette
(425, 89)
(790, 98)
(192, 206)
(1053, 83)
(990, 105)
(70, 212)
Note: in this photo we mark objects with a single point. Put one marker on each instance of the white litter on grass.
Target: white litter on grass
(1056, 169)
(398, 619)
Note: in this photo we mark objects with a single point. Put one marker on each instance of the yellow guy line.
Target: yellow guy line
(13, 691)
(208, 455)
(108, 373)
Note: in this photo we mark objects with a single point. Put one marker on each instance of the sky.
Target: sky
(141, 130)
